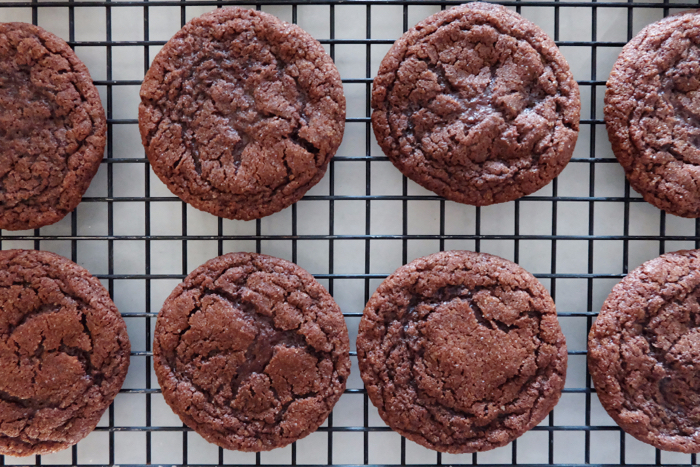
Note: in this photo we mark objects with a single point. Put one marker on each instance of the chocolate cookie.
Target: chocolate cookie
(251, 352)
(52, 128)
(652, 113)
(476, 104)
(462, 351)
(644, 352)
(241, 113)
(64, 352)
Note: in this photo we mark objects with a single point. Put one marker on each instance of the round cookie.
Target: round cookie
(652, 113)
(476, 104)
(241, 113)
(251, 352)
(64, 352)
(52, 128)
(461, 351)
(644, 352)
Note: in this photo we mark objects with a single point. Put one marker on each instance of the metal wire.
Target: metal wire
(593, 84)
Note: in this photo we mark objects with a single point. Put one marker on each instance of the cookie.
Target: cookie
(652, 113)
(52, 128)
(241, 113)
(251, 352)
(644, 352)
(461, 351)
(476, 104)
(64, 352)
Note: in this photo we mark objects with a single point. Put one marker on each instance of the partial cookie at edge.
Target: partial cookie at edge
(52, 128)
(651, 113)
(64, 352)
(644, 352)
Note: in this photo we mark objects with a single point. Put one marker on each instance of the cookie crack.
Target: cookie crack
(242, 129)
(253, 364)
(445, 295)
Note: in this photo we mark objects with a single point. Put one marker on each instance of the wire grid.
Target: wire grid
(543, 225)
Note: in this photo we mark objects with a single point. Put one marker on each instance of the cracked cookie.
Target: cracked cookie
(476, 104)
(251, 352)
(462, 351)
(644, 352)
(52, 128)
(240, 113)
(64, 352)
(652, 113)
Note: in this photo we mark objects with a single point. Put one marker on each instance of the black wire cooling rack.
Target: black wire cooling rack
(580, 235)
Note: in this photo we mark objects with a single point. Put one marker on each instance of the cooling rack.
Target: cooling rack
(579, 235)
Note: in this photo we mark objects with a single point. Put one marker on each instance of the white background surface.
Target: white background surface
(532, 217)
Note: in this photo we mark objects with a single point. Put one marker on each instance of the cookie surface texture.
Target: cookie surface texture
(462, 351)
(52, 128)
(652, 113)
(240, 113)
(476, 104)
(644, 352)
(251, 352)
(64, 352)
